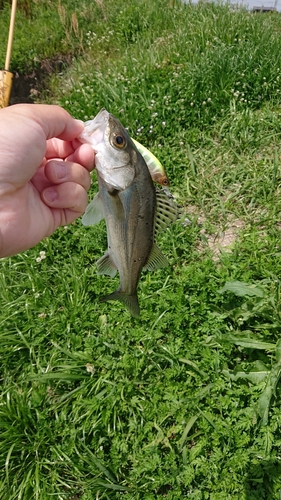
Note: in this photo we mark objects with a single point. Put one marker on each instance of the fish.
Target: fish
(133, 208)
(155, 167)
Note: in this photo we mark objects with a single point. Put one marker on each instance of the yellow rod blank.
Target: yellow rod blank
(11, 35)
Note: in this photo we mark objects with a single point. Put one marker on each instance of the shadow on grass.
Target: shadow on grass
(263, 481)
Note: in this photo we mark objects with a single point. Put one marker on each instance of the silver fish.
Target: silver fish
(133, 209)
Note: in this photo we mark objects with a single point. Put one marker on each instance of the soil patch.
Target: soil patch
(221, 240)
(225, 240)
(28, 87)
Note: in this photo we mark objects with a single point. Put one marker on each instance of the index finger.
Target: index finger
(57, 148)
(84, 155)
(53, 120)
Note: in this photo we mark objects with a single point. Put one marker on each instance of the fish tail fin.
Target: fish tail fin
(130, 301)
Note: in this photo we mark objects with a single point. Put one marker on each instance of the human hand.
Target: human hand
(44, 174)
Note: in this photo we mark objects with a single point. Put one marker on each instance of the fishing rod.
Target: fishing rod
(6, 77)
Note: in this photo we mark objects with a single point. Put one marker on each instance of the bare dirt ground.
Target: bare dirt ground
(224, 240)
(221, 240)
(28, 87)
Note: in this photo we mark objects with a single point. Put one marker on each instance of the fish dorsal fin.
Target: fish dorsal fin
(94, 212)
(106, 266)
(167, 211)
(156, 259)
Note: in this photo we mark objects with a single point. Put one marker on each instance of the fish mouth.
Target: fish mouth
(100, 120)
(94, 130)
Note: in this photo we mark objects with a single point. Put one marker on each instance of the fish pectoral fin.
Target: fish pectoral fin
(167, 211)
(130, 301)
(94, 212)
(156, 259)
(106, 266)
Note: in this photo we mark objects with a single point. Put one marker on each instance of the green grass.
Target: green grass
(185, 402)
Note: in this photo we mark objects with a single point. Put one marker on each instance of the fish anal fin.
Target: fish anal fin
(94, 212)
(156, 259)
(130, 301)
(106, 266)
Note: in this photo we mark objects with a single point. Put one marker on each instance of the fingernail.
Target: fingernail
(60, 170)
(50, 195)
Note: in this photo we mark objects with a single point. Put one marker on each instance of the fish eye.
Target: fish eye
(119, 141)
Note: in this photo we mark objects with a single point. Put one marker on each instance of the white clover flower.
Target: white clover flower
(163, 123)
(42, 256)
(90, 368)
